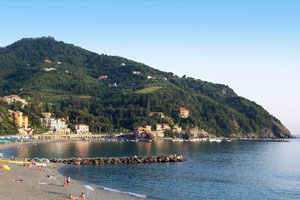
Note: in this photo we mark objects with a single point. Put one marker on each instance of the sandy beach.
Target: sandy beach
(36, 185)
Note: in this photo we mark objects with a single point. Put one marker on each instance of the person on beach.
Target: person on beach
(51, 176)
(65, 183)
(71, 197)
(68, 180)
(82, 196)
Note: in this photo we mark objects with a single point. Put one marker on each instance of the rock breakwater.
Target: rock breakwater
(118, 160)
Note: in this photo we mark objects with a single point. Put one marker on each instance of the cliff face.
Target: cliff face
(113, 93)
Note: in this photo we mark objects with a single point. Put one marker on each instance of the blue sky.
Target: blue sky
(252, 46)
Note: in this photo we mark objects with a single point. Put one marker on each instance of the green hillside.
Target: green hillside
(73, 89)
(6, 126)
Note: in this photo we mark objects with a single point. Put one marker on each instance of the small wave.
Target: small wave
(128, 193)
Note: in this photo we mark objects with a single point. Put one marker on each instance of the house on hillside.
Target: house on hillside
(160, 129)
(136, 72)
(48, 69)
(102, 77)
(47, 61)
(14, 98)
(113, 85)
(183, 112)
(143, 132)
(157, 114)
(46, 114)
(58, 126)
(82, 129)
(166, 127)
(20, 120)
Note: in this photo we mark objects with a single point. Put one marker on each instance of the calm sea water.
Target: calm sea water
(226, 170)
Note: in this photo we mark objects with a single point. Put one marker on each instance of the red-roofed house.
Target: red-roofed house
(183, 112)
(47, 61)
(166, 127)
(14, 98)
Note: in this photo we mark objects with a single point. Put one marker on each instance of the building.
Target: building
(144, 132)
(82, 129)
(102, 77)
(183, 112)
(166, 127)
(20, 120)
(136, 72)
(113, 85)
(160, 129)
(48, 69)
(14, 98)
(25, 131)
(46, 114)
(57, 126)
(157, 114)
(53, 124)
(47, 61)
(64, 131)
(177, 129)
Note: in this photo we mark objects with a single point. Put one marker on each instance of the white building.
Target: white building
(136, 72)
(82, 129)
(53, 124)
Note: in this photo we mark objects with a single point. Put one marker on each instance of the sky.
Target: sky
(252, 46)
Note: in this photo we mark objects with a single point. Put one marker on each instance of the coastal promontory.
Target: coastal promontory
(115, 94)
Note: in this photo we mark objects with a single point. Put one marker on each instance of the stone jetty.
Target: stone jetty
(118, 160)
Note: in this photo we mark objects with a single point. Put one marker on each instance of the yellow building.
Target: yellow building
(20, 120)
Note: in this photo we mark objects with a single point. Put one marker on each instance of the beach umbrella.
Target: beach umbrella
(88, 188)
(5, 167)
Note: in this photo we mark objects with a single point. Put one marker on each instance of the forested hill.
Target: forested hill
(113, 93)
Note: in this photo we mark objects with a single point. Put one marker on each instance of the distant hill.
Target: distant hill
(113, 93)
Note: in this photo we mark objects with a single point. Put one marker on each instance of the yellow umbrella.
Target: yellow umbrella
(5, 167)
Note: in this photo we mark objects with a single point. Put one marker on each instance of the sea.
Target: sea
(211, 170)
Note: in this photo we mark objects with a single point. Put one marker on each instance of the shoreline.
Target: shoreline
(35, 185)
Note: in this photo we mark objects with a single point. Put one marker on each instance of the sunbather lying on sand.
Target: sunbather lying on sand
(71, 197)
(82, 196)
(51, 176)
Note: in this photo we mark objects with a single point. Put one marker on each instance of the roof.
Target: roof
(16, 96)
(81, 125)
(182, 109)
